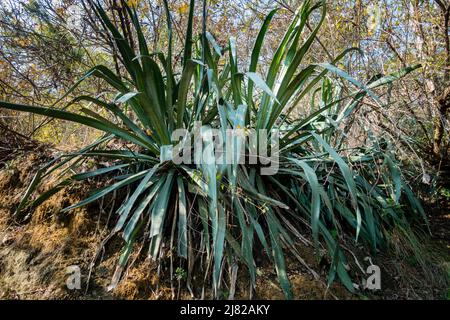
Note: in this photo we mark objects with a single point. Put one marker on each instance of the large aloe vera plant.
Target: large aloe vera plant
(217, 216)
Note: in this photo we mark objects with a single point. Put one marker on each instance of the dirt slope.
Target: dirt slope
(35, 256)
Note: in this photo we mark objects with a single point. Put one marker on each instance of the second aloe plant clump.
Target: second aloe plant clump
(217, 216)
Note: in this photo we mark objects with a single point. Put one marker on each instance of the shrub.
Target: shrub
(224, 213)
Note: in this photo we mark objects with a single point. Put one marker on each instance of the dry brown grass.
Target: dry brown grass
(34, 257)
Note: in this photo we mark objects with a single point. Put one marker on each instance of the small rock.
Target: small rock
(6, 240)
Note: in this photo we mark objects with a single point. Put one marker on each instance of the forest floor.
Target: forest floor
(35, 256)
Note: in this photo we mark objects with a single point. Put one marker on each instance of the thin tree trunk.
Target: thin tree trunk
(443, 101)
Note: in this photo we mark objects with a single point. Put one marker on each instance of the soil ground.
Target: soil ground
(35, 256)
